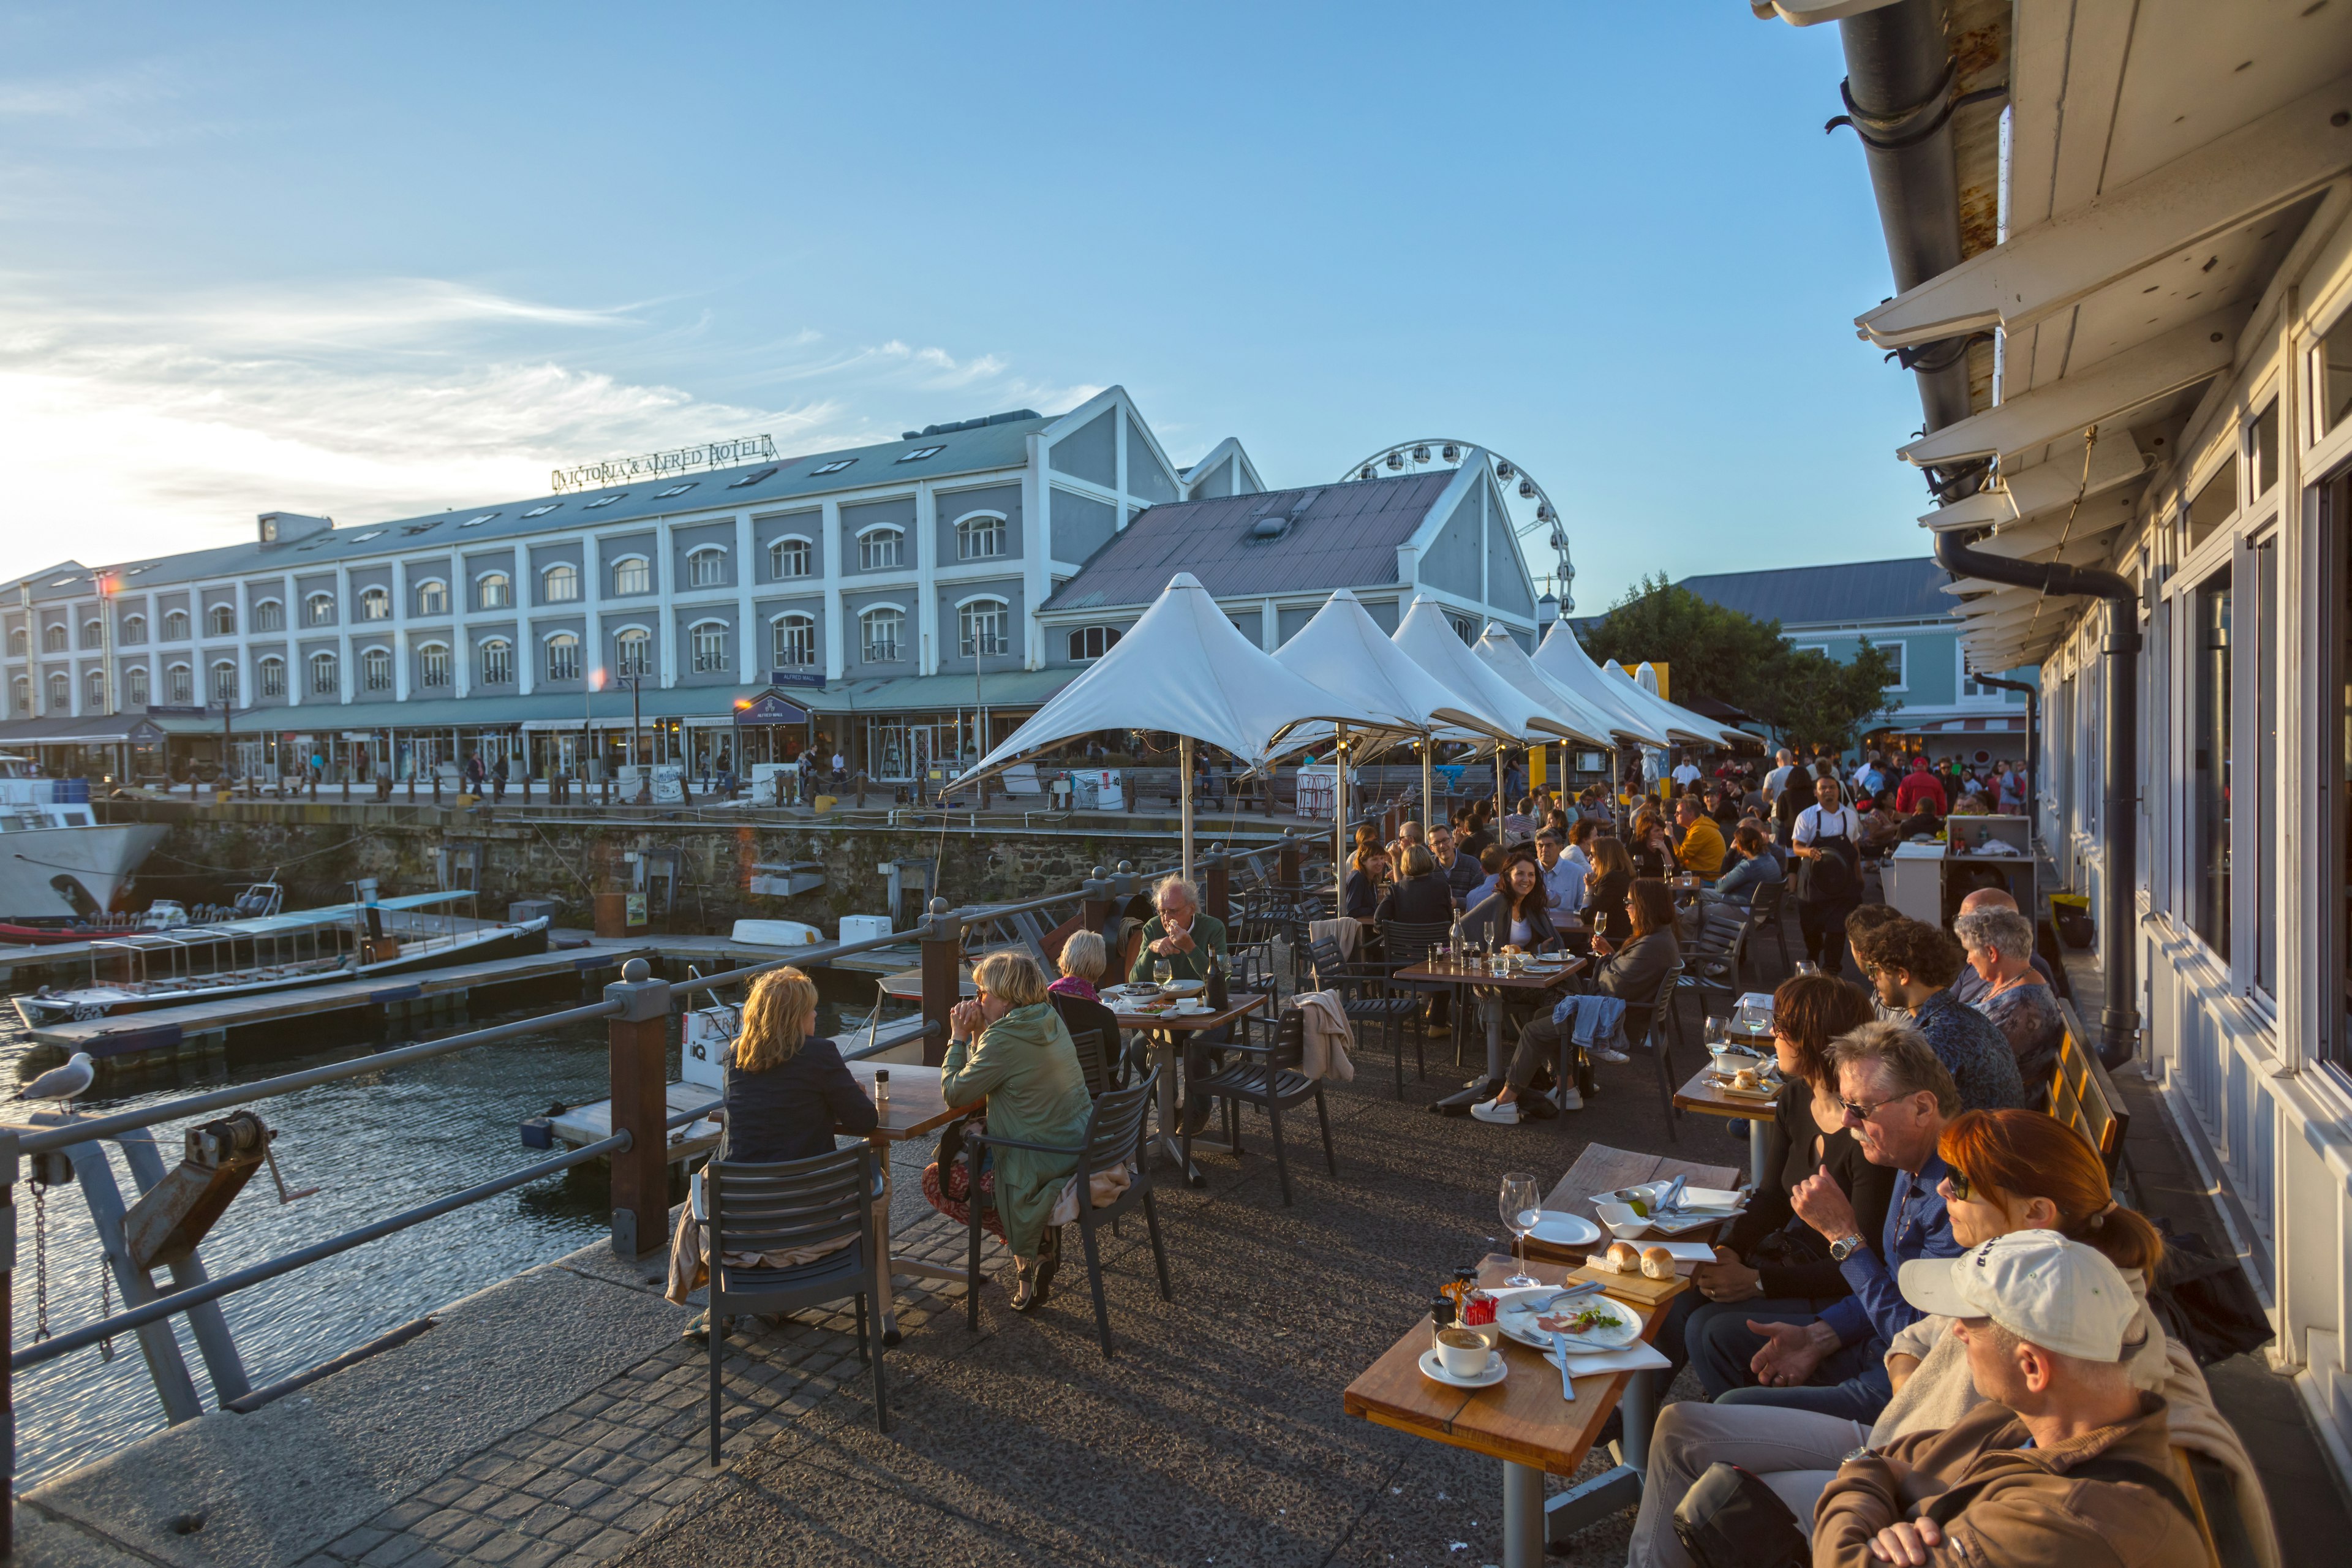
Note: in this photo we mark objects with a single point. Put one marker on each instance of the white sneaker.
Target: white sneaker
(1610, 1054)
(1496, 1111)
(1566, 1098)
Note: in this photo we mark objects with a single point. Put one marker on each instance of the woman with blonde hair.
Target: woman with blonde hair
(1009, 1047)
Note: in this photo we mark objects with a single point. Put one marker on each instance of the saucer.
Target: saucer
(1435, 1371)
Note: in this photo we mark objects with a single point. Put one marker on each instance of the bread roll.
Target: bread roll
(1624, 1257)
(1657, 1263)
(1745, 1078)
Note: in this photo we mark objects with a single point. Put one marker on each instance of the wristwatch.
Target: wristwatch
(1845, 1247)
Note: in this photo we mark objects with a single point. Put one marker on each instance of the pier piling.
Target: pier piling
(639, 1038)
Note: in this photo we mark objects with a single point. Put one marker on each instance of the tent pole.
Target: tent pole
(1500, 807)
(1184, 765)
(1428, 806)
(1339, 824)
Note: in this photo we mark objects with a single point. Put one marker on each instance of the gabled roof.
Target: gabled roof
(1339, 536)
(1907, 590)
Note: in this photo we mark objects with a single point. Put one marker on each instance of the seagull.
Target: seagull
(62, 1084)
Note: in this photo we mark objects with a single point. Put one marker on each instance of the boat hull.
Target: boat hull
(101, 860)
(516, 941)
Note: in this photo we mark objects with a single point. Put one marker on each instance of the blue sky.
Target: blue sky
(375, 261)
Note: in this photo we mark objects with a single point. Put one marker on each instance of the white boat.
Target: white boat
(139, 972)
(58, 862)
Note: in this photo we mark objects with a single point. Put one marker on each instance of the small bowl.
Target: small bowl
(1622, 1222)
(1729, 1059)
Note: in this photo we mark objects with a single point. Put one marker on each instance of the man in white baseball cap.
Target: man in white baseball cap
(2068, 1466)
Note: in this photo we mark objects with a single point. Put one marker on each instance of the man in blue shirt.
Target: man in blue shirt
(1897, 1097)
(1914, 964)
(1563, 880)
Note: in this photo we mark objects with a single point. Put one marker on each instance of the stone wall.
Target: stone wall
(317, 851)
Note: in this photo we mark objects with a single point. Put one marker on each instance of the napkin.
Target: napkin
(1635, 1357)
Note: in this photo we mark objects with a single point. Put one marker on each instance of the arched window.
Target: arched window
(1092, 642)
(269, 615)
(271, 673)
(375, 604)
(706, 567)
(181, 682)
(16, 641)
(433, 597)
(635, 648)
(92, 634)
(175, 625)
(880, 547)
(559, 583)
(709, 647)
(93, 691)
(433, 665)
(789, 557)
(980, 537)
(134, 630)
(225, 681)
(53, 638)
(494, 590)
(135, 686)
(497, 662)
(61, 692)
(220, 621)
(326, 678)
(632, 574)
(319, 610)
(882, 632)
(375, 669)
(795, 641)
(980, 628)
(563, 657)
(20, 696)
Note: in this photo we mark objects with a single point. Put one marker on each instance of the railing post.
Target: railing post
(1096, 908)
(8, 1172)
(942, 977)
(1216, 885)
(1286, 865)
(639, 1039)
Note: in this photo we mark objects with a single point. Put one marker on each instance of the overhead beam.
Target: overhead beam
(1985, 509)
(2116, 459)
(2140, 375)
(2039, 271)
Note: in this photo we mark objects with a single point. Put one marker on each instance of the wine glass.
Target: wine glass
(1521, 1205)
(1163, 972)
(1806, 966)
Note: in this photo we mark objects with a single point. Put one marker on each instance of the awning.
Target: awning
(1990, 724)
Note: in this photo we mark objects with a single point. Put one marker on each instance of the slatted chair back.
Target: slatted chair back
(2083, 1097)
(791, 1206)
(1115, 1132)
(1407, 943)
(1094, 1060)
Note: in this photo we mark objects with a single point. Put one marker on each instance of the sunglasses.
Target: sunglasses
(1956, 1185)
(1853, 1112)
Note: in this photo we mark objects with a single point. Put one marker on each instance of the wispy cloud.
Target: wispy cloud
(148, 424)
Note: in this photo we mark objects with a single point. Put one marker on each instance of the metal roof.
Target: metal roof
(790, 479)
(1833, 594)
(1339, 536)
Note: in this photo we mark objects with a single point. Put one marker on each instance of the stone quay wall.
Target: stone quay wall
(317, 851)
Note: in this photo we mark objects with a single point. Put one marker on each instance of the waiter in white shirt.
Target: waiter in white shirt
(1826, 895)
(1685, 774)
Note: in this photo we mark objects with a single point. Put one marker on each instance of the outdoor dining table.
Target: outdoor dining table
(917, 1108)
(1494, 990)
(1706, 1095)
(1165, 1030)
(1523, 1422)
(1600, 1170)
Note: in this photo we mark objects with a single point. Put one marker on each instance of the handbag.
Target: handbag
(1730, 1519)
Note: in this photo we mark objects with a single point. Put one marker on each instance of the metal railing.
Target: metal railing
(637, 1009)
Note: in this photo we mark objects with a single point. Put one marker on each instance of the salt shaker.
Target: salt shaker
(881, 1089)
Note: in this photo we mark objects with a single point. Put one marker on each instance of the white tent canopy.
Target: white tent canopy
(1186, 669)
(1428, 638)
(1679, 720)
(1344, 651)
(1506, 658)
(1562, 659)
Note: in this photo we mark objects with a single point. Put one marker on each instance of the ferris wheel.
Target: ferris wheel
(1520, 491)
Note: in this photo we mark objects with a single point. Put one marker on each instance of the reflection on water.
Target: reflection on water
(373, 1145)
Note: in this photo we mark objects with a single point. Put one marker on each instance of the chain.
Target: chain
(105, 1304)
(41, 1262)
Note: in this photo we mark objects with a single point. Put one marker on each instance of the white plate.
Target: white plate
(1182, 987)
(1565, 1229)
(1518, 1323)
(1434, 1370)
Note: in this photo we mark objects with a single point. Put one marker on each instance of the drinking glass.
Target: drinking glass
(1163, 972)
(1807, 966)
(1521, 1203)
(1718, 1033)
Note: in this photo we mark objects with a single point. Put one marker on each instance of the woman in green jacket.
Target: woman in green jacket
(1009, 1047)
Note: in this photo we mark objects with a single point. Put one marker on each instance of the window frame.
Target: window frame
(550, 574)
(318, 609)
(873, 532)
(866, 643)
(330, 682)
(180, 683)
(375, 603)
(491, 655)
(707, 648)
(373, 657)
(568, 642)
(969, 525)
(137, 685)
(707, 558)
(269, 616)
(220, 620)
(637, 640)
(1108, 636)
(433, 657)
(269, 676)
(624, 567)
(967, 626)
(216, 683)
(776, 552)
(60, 692)
(180, 633)
(93, 690)
(496, 581)
(55, 636)
(427, 591)
(787, 622)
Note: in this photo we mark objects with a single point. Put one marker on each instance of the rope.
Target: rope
(2090, 441)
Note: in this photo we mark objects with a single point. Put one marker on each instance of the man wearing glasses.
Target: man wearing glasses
(1896, 1098)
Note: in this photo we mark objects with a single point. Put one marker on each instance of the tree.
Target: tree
(1807, 697)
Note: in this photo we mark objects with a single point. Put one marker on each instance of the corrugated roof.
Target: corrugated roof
(1341, 536)
(1908, 590)
(789, 479)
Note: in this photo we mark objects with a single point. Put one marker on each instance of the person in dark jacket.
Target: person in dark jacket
(1606, 890)
(1422, 896)
(1367, 875)
(787, 1093)
(1461, 871)
(1085, 957)
(1517, 913)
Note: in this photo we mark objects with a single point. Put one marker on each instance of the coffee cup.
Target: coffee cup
(1462, 1352)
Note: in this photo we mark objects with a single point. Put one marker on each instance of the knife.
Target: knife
(1559, 1349)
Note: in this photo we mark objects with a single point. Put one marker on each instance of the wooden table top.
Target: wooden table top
(1522, 1418)
(1601, 1169)
(1706, 1097)
(1239, 1005)
(917, 1105)
(1461, 974)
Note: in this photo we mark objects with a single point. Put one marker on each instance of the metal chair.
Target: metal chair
(1764, 914)
(1713, 961)
(790, 1206)
(1364, 995)
(1097, 1060)
(1114, 1136)
(1663, 1023)
(1404, 943)
(1267, 1076)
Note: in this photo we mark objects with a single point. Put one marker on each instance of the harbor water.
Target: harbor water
(372, 1145)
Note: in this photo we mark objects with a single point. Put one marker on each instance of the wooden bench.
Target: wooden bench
(2083, 1097)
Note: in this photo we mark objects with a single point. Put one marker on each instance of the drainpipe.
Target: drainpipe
(2033, 729)
(2120, 1024)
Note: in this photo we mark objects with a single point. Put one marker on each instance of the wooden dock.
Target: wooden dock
(203, 1025)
